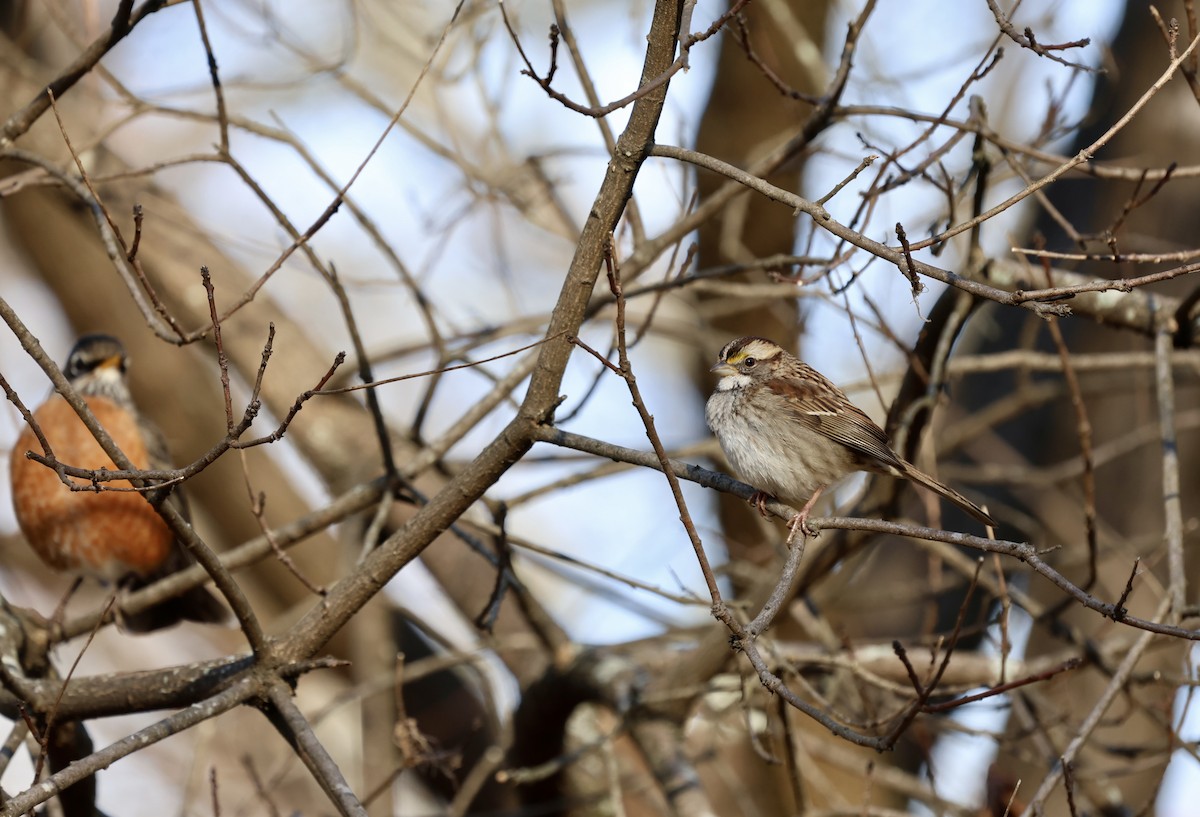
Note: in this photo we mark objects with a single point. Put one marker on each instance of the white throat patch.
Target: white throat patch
(733, 381)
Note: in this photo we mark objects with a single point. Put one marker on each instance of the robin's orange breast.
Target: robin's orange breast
(107, 534)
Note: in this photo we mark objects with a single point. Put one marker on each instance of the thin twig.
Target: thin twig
(660, 451)
(1116, 686)
(174, 724)
(214, 77)
(222, 358)
(1164, 382)
(1083, 430)
(125, 18)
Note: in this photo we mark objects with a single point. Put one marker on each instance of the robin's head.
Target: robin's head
(97, 365)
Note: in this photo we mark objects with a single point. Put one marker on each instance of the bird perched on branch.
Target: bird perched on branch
(791, 433)
(115, 536)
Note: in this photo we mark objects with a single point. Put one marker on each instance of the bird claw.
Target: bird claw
(759, 500)
(800, 520)
(799, 523)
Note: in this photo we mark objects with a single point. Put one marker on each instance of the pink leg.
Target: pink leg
(799, 522)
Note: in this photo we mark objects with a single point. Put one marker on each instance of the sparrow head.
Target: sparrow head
(751, 358)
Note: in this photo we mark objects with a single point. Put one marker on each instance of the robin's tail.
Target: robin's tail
(196, 604)
(910, 471)
(193, 604)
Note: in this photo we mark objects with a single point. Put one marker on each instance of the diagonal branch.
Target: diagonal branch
(351, 593)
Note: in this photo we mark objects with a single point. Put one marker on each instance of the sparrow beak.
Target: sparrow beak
(723, 369)
(113, 362)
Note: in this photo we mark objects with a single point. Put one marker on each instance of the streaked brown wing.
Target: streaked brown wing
(821, 406)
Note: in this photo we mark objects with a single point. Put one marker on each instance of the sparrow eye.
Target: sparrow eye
(749, 363)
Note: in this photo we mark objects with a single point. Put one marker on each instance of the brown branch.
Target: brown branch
(907, 269)
(222, 358)
(1083, 156)
(123, 257)
(925, 690)
(542, 396)
(123, 22)
(353, 501)
(645, 86)
(285, 716)
(1001, 689)
(625, 370)
(1024, 552)
(1164, 382)
(365, 371)
(1083, 429)
(214, 77)
(1116, 686)
(1038, 301)
(42, 791)
(1027, 40)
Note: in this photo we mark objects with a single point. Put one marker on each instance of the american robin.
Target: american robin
(115, 536)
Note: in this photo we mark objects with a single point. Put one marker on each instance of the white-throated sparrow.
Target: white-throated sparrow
(791, 433)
